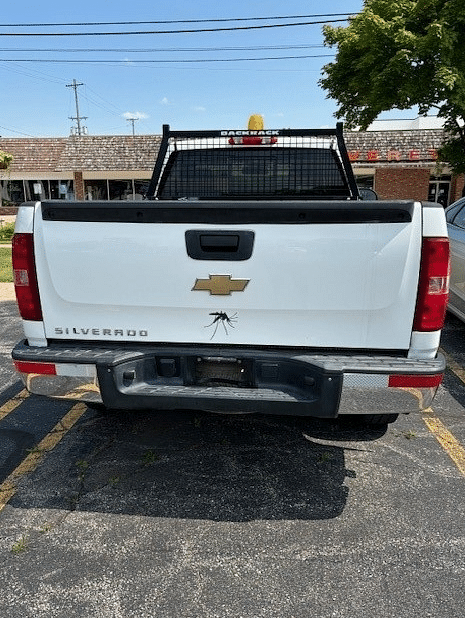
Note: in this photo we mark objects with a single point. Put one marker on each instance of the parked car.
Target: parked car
(455, 217)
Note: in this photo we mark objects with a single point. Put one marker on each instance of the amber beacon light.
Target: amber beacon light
(255, 134)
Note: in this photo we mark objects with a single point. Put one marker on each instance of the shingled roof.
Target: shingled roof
(110, 152)
(34, 154)
(127, 152)
(90, 153)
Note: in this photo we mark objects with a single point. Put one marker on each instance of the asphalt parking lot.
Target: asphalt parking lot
(196, 515)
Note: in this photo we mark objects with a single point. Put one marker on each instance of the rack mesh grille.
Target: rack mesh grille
(211, 168)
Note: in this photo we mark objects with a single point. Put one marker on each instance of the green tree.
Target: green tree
(5, 160)
(396, 54)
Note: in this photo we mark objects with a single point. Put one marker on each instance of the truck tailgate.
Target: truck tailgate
(332, 275)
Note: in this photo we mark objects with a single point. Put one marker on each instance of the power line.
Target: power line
(15, 131)
(160, 49)
(30, 72)
(106, 105)
(183, 31)
(172, 21)
(188, 60)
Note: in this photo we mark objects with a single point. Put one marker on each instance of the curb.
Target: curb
(7, 292)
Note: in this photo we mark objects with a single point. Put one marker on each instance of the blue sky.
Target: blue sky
(34, 99)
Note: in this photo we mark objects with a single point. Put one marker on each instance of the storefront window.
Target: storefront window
(365, 186)
(15, 192)
(37, 190)
(439, 189)
(140, 189)
(120, 189)
(61, 190)
(365, 181)
(96, 190)
(12, 192)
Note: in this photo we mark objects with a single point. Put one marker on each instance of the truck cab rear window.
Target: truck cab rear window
(253, 173)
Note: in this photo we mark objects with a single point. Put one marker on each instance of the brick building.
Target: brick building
(402, 164)
(396, 163)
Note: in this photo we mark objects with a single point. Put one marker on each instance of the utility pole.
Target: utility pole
(77, 118)
(133, 120)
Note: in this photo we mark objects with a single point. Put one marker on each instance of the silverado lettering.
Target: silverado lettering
(110, 332)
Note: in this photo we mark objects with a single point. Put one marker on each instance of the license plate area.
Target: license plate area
(222, 371)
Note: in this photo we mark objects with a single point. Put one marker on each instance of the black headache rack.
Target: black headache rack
(281, 164)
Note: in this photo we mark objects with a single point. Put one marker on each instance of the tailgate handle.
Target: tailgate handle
(222, 243)
(233, 245)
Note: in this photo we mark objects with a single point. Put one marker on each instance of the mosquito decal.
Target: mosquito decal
(220, 317)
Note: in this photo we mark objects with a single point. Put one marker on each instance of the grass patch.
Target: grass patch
(6, 270)
(6, 232)
(150, 457)
(21, 546)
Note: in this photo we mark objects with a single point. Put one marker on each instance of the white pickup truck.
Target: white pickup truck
(253, 278)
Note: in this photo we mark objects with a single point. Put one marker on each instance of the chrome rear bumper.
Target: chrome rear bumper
(219, 379)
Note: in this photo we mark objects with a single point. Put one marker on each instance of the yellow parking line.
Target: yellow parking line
(446, 439)
(448, 442)
(454, 366)
(13, 403)
(8, 487)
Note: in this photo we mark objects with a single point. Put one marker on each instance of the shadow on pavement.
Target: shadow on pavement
(195, 465)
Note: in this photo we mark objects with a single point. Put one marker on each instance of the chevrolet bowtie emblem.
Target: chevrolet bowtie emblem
(221, 285)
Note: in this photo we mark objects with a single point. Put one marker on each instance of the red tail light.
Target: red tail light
(433, 287)
(40, 368)
(25, 279)
(415, 381)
